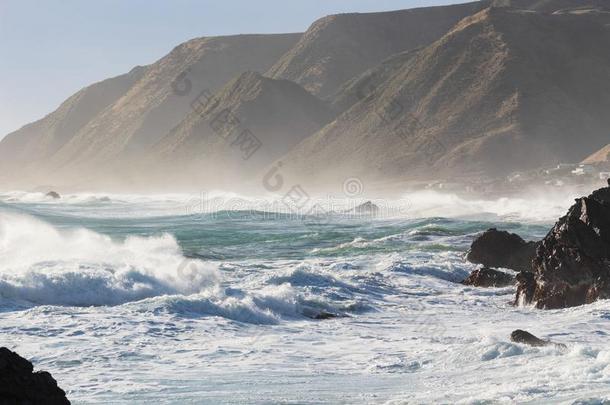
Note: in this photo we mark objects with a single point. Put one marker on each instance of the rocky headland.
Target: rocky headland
(569, 267)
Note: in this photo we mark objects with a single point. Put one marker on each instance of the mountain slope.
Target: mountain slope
(601, 156)
(152, 108)
(553, 6)
(44, 137)
(503, 90)
(248, 124)
(116, 120)
(338, 47)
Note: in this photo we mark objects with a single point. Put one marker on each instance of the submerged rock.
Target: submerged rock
(572, 264)
(524, 337)
(53, 194)
(496, 248)
(487, 277)
(324, 315)
(20, 385)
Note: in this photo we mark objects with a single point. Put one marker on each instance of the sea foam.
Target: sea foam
(46, 265)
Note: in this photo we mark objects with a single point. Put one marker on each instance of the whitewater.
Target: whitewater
(219, 298)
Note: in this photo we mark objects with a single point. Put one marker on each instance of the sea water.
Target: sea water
(133, 298)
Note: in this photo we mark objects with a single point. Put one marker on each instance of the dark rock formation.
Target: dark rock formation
(572, 264)
(53, 194)
(324, 315)
(319, 315)
(502, 249)
(487, 277)
(20, 385)
(521, 336)
(526, 285)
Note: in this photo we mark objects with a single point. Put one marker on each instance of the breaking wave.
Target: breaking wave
(44, 264)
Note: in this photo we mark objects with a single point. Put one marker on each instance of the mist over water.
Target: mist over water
(531, 205)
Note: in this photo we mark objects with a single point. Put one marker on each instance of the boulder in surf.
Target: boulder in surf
(501, 249)
(572, 264)
(487, 277)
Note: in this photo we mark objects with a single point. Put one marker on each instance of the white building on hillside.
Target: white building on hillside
(583, 170)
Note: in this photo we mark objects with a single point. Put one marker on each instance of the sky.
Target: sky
(49, 49)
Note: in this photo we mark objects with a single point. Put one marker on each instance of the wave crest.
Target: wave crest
(44, 264)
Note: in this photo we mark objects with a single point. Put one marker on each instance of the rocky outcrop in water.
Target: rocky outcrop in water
(572, 264)
(526, 338)
(487, 277)
(521, 336)
(367, 208)
(19, 384)
(54, 195)
(496, 249)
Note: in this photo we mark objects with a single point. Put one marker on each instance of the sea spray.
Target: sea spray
(47, 265)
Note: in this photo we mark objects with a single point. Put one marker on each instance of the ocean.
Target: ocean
(217, 298)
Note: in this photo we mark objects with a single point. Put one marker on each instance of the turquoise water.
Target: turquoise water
(128, 299)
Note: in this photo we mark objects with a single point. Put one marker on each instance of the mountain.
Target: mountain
(42, 138)
(602, 156)
(481, 88)
(338, 47)
(503, 90)
(147, 107)
(553, 6)
(249, 123)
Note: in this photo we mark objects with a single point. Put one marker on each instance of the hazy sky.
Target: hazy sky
(49, 49)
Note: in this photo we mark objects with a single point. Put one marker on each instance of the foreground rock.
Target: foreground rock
(487, 277)
(572, 264)
(20, 385)
(53, 194)
(496, 249)
(524, 337)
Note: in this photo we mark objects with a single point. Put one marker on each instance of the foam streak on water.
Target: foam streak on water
(132, 299)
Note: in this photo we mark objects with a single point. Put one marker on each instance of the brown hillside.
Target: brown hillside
(338, 47)
(503, 90)
(248, 124)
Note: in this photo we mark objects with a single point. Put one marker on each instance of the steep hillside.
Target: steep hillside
(153, 107)
(503, 90)
(338, 47)
(365, 85)
(410, 94)
(120, 118)
(248, 124)
(601, 156)
(41, 139)
(553, 6)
